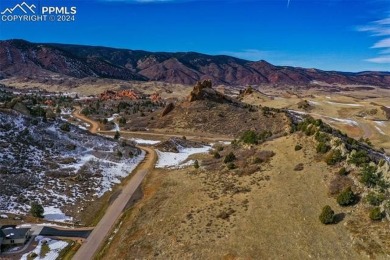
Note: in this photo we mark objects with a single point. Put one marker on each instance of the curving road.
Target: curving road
(94, 128)
(114, 211)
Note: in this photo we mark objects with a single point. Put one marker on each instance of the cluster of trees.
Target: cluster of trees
(252, 137)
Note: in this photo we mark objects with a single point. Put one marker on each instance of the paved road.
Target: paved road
(106, 224)
(55, 232)
(113, 212)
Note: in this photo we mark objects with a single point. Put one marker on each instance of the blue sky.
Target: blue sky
(346, 35)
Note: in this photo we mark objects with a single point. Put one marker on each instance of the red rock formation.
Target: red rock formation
(155, 97)
(122, 94)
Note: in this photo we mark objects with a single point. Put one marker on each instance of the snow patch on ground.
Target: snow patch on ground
(344, 104)
(112, 117)
(172, 160)
(380, 130)
(313, 102)
(52, 213)
(143, 141)
(380, 123)
(113, 174)
(378, 126)
(344, 121)
(55, 246)
(51, 154)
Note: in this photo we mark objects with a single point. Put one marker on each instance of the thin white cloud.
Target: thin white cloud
(381, 59)
(249, 54)
(381, 30)
(385, 43)
(385, 21)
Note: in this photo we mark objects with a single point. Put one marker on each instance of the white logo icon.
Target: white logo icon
(23, 7)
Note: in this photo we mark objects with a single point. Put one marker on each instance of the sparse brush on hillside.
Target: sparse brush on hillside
(334, 157)
(359, 158)
(251, 137)
(229, 158)
(343, 171)
(327, 215)
(346, 197)
(298, 147)
(375, 199)
(376, 214)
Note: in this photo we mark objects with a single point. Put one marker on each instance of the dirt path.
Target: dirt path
(95, 129)
(189, 137)
(94, 125)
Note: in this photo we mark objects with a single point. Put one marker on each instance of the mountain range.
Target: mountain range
(23, 59)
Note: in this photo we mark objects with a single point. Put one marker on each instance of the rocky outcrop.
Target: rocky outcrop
(204, 91)
(168, 109)
(118, 95)
(155, 97)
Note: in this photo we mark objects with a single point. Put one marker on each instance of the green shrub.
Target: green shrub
(258, 160)
(368, 176)
(376, 214)
(117, 135)
(37, 210)
(217, 155)
(310, 130)
(322, 137)
(381, 162)
(375, 199)
(219, 148)
(346, 197)
(298, 147)
(334, 157)
(196, 164)
(65, 127)
(343, 171)
(122, 121)
(251, 137)
(359, 158)
(229, 158)
(231, 166)
(327, 215)
(322, 147)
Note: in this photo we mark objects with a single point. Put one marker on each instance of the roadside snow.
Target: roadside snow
(143, 141)
(172, 160)
(52, 213)
(116, 171)
(55, 246)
